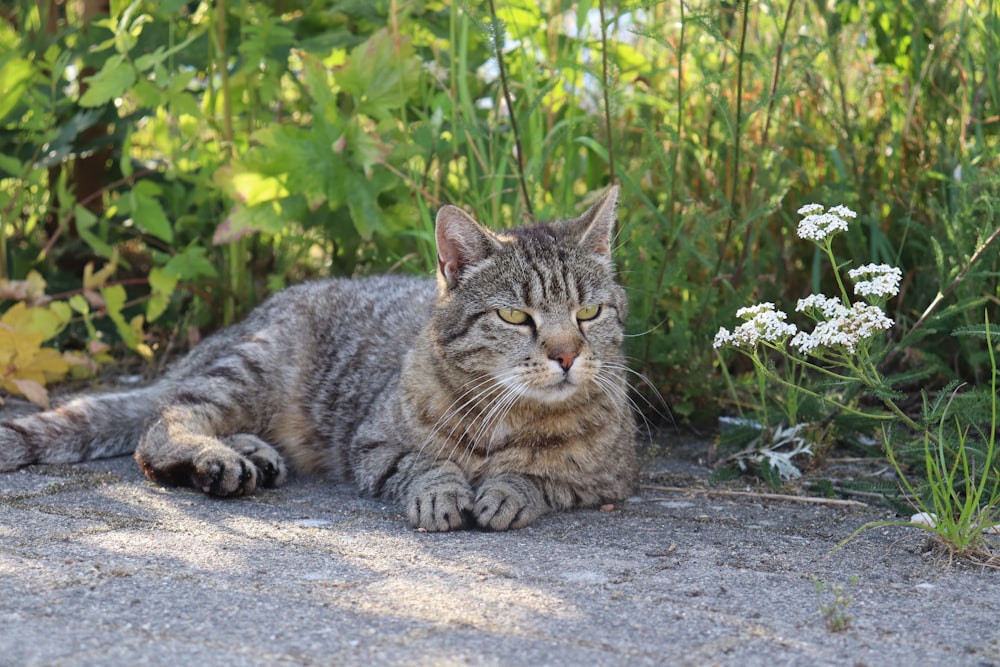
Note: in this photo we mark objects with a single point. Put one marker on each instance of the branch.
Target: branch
(751, 494)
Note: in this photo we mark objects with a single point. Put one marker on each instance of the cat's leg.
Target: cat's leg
(181, 449)
(435, 494)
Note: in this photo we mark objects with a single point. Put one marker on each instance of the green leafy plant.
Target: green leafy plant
(958, 498)
(834, 612)
(960, 495)
(843, 347)
(226, 148)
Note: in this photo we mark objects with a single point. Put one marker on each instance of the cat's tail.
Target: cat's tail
(87, 427)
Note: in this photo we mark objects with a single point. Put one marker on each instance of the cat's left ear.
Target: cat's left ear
(596, 227)
(461, 243)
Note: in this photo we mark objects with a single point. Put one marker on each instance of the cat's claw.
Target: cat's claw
(440, 508)
(508, 501)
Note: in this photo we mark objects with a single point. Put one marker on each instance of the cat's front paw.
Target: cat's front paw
(438, 501)
(508, 501)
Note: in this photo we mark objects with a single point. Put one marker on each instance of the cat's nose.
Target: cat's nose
(565, 359)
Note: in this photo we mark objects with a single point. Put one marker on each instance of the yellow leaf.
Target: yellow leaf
(24, 346)
(32, 391)
(50, 363)
(36, 319)
(23, 358)
(93, 280)
(135, 324)
(15, 316)
(7, 349)
(36, 284)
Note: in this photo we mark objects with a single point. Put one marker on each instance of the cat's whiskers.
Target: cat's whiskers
(619, 396)
(503, 418)
(454, 409)
(667, 416)
(453, 412)
(495, 417)
(509, 394)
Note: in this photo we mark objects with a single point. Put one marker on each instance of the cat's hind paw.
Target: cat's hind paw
(271, 469)
(221, 471)
(508, 501)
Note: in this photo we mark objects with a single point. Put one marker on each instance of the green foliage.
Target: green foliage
(227, 148)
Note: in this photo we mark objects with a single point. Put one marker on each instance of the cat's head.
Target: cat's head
(535, 308)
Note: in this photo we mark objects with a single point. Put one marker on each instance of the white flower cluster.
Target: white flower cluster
(882, 280)
(843, 327)
(820, 304)
(817, 225)
(763, 322)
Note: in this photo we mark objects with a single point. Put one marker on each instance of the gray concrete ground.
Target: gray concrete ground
(100, 567)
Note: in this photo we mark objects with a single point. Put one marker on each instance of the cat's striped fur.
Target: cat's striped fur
(431, 395)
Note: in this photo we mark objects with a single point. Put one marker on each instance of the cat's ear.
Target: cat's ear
(595, 229)
(461, 242)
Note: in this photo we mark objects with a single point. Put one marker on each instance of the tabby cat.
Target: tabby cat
(487, 400)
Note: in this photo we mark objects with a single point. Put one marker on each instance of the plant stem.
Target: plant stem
(498, 48)
(828, 247)
(734, 199)
(954, 283)
(826, 399)
(606, 85)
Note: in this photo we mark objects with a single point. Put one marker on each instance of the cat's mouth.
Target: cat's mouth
(548, 388)
(556, 391)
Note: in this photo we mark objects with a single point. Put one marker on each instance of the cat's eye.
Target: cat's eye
(512, 315)
(588, 313)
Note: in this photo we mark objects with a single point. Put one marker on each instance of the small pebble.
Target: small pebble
(924, 519)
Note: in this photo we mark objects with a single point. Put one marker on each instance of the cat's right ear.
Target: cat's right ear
(461, 243)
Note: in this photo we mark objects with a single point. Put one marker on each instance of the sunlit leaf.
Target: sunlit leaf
(148, 214)
(135, 325)
(79, 304)
(249, 187)
(245, 220)
(191, 264)
(34, 320)
(111, 81)
(162, 285)
(114, 301)
(15, 77)
(93, 280)
(381, 74)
